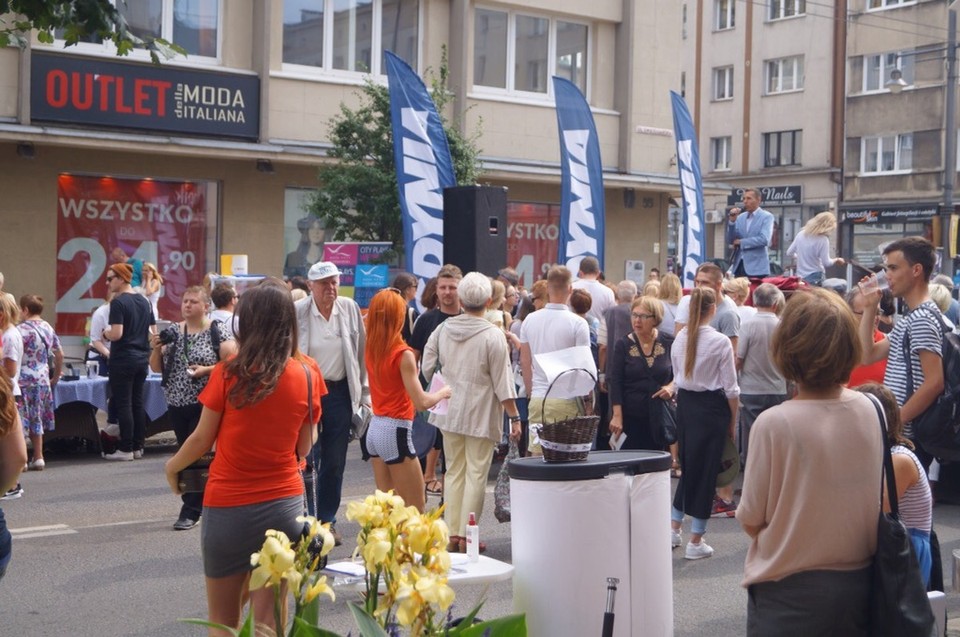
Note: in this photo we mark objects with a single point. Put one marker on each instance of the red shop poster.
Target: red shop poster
(161, 222)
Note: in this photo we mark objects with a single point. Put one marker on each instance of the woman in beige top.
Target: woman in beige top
(811, 491)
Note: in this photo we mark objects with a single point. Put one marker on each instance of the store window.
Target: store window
(171, 224)
(350, 35)
(193, 25)
(512, 52)
(533, 234)
(304, 234)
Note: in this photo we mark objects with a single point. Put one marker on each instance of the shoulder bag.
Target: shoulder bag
(309, 476)
(51, 360)
(898, 602)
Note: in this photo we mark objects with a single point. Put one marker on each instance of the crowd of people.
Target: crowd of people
(733, 362)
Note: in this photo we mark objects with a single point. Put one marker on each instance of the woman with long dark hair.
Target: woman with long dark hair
(310, 248)
(256, 410)
(406, 283)
(707, 403)
(396, 393)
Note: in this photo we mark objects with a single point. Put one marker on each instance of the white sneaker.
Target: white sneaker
(118, 455)
(698, 551)
(36, 465)
(137, 454)
(675, 539)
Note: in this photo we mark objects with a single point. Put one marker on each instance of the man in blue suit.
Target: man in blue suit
(752, 231)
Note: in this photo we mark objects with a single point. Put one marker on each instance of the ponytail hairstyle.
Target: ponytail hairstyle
(702, 300)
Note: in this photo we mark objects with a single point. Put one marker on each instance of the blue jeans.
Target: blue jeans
(126, 392)
(329, 455)
(6, 545)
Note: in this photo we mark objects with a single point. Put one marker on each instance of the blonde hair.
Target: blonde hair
(822, 223)
(738, 288)
(702, 300)
(9, 311)
(671, 290)
(652, 288)
(149, 267)
(816, 342)
(499, 293)
(941, 296)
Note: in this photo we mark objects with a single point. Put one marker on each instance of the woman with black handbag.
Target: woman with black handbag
(641, 379)
(260, 408)
(186, 352)
(810, 494)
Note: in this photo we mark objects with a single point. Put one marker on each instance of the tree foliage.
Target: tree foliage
(78, 20)
(358, 198)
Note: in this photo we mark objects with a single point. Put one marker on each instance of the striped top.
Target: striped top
(925, 334)
(916, 505)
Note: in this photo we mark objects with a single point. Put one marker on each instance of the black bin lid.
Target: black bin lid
(599, 464)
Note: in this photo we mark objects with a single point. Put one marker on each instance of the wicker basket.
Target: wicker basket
(568, 440)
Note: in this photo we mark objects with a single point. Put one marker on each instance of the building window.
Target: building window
(720, 153)
(784, 74)
(780, 9)
(724, 14)
(350, 35)
(512, 52)
(876, 70)
(888, 154)
(191, 24)
(888, 4)
(782, 148)
(723, 83)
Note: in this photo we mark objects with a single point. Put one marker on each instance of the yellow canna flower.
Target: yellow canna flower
(319, 587)
(376, 548)
(409, 604)
(273, 561)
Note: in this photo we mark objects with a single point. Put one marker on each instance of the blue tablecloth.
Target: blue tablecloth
(96, 392)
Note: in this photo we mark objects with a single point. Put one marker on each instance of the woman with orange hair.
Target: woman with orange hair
(396, 393)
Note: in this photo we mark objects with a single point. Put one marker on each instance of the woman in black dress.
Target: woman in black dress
(641, 373)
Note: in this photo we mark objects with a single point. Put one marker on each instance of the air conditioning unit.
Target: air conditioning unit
(713, 216)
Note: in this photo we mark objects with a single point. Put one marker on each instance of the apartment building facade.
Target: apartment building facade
(216, 152)
(764, 81)
(894, 166)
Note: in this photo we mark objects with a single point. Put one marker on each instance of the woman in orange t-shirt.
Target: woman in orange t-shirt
(395, 392)
(874, 372)
(255, 408)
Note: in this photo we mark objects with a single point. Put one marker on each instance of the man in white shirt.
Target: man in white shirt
(589, 280)
(331, 332)
(553, 328)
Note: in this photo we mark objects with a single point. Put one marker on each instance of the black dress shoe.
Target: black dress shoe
(337, 538)
(184, 524)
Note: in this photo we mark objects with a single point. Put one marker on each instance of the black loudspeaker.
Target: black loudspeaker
(475, 228)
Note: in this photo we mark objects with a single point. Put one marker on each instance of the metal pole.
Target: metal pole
(949, 143)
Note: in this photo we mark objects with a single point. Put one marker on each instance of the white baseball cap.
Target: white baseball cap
(322, 270)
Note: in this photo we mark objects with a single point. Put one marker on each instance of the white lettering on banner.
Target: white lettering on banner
(108, 210)
(579, 244)
(691, 220)
(533, 231)
(422, 195)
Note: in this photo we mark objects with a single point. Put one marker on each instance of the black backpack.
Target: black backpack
(937, 429)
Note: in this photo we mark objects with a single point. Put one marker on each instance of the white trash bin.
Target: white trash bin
(576, 524)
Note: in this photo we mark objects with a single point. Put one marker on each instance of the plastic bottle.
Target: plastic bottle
(473, 539)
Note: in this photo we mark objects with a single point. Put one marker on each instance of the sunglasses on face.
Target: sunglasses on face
(640, 317)
(110, 277)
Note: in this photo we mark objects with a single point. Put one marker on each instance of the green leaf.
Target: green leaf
(366, 624)
(302, 628)
(509, 626)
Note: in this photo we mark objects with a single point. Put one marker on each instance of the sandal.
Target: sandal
(457, 544)
(434, 487)
(675, 471)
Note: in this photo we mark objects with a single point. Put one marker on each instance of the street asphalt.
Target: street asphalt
(95, 555)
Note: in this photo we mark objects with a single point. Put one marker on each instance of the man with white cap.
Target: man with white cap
(331, 332)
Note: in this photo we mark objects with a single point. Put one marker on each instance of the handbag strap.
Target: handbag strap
(887, 460)
(306, 370)
(40, 334)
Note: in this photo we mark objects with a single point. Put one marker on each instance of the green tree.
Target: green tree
(78, 20)
(358, 198)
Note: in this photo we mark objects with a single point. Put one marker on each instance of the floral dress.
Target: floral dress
(36, 405)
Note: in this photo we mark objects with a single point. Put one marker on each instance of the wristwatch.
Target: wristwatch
(515, 418)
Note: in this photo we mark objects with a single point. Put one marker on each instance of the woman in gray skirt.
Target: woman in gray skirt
(255, 408)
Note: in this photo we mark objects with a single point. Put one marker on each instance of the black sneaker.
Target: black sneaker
(13, 493)
(184, 523)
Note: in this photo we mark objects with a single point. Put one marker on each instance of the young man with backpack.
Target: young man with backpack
(914, 348)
